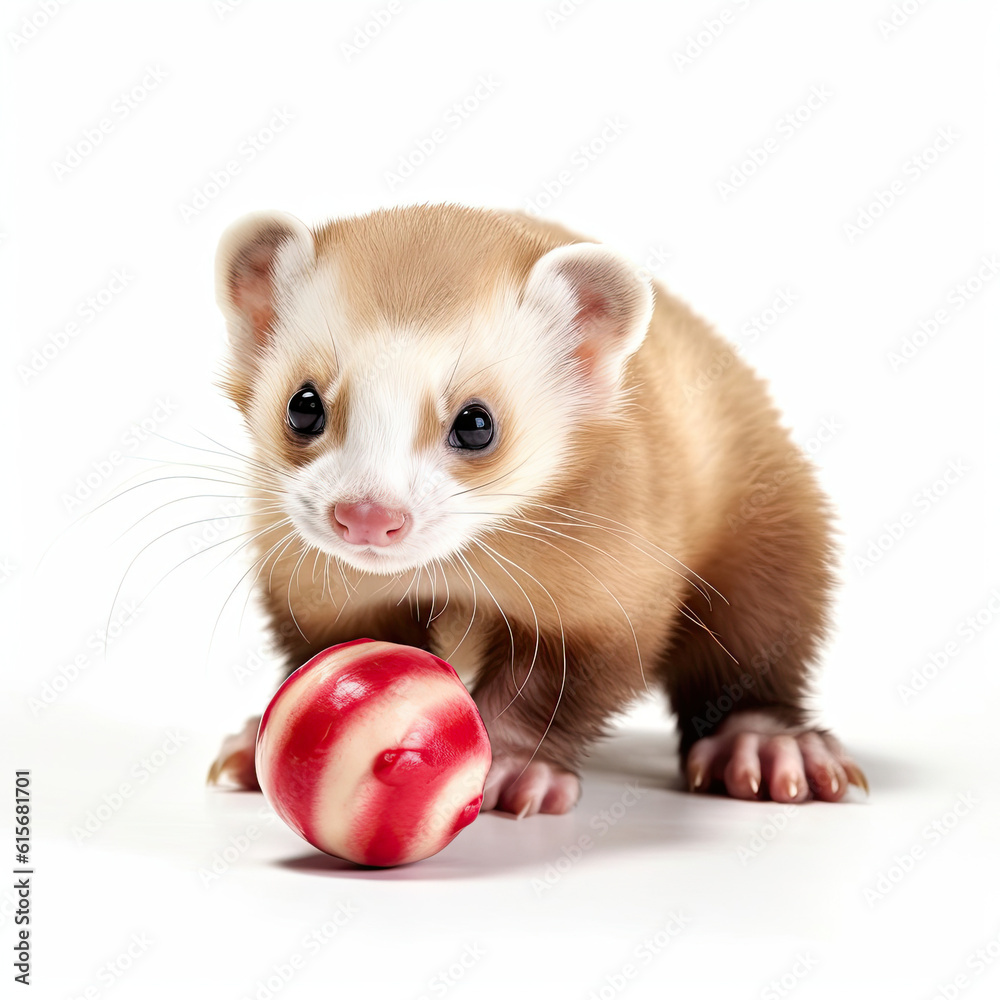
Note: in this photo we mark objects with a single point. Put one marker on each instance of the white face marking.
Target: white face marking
(517, 350)
(389, 377)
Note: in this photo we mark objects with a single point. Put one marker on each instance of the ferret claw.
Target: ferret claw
(525, 788)
(856, 776)
(754, 755)
(235, 761)
(219, 767)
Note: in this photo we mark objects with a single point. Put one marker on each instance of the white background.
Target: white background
(771, 903)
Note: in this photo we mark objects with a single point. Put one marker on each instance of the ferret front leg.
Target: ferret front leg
(744, 726)
(738, 669)
(526, 776)
(542, 709)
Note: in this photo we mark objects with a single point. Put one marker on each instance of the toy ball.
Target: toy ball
(374, 752)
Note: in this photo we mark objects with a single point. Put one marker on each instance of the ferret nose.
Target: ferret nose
(369, 523)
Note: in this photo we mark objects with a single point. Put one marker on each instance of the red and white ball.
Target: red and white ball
(374, 752)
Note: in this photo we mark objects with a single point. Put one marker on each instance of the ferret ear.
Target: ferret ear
(258, 259)
(598, 303)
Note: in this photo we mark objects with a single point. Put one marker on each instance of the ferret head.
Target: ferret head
(412, 377)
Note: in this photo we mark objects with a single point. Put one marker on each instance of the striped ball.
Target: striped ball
(374, 752)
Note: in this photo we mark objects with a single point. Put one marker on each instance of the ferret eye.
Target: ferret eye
(473, 428)
(305, 411)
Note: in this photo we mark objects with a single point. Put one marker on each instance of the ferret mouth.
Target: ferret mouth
(380, 560)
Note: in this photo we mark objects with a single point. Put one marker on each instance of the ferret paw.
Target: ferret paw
(753, 756)
(515, 785)
(235, 763)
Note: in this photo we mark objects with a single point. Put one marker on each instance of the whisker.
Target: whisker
(562, 633)
(83, 516)
(614, 532)
(245, 478)
(500, 361)
(246, 573)
(472, 617)
(288, 592)
(226, 453)
(433, 582)
(414, 602)
(635, 638)
(475, 489)
(389, 583)
(687, 612)
(447, 592)
(461, 351)
(326, 579)
(277, 559)
(534, 655)
(343, 576)
(132, 562)
(128, 569)
(312, 575)
(500, 609)
(333, 340)
(406, 592)
(163, 479)
(263, 562)
(348, 588)
(195, 496)
(571, 511)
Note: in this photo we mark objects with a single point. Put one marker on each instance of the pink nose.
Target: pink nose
(369, 523)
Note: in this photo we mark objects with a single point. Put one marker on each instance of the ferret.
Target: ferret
(476, 432)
